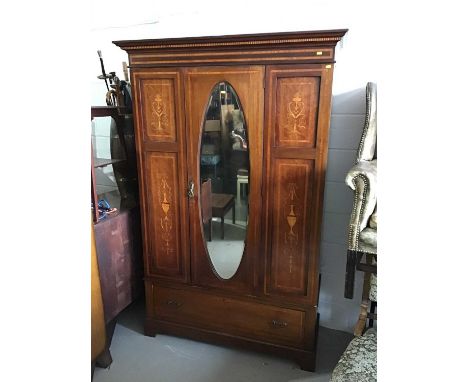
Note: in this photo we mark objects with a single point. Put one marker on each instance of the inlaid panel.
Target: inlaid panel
(159, 109)
(296, 111)
(165, 249)
(292, 181)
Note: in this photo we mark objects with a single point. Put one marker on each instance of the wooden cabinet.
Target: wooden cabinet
(283, 83)
(118, 236)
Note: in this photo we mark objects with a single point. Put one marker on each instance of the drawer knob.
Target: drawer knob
(173, 303)
(279, 324)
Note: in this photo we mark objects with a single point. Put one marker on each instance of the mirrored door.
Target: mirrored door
(224, 124)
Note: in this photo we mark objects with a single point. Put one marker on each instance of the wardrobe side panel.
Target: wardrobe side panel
(161, 152)
(297, 120)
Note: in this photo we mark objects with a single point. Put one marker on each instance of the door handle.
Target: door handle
(191, 189)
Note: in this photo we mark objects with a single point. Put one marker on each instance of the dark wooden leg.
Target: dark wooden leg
(365, 302)
(222, 227)
(150, 328)
(361, 324)
(372, 310)
(350, 270)
(307, 362)
(234, 213)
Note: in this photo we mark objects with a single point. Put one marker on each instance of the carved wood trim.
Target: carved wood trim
(229, 44)
(242, 58)
(312, 51)
(330, 37)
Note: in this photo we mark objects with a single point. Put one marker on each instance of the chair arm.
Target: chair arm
(362, 178)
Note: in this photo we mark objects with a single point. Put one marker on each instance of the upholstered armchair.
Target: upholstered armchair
(359, 361)
(362, 179)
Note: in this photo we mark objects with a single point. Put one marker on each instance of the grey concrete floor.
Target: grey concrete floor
(137, 358)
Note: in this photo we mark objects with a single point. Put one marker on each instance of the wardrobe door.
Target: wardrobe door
(161, 152)
(296, 121)
(243, 85)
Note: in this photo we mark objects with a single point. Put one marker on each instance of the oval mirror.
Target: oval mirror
(224, 180)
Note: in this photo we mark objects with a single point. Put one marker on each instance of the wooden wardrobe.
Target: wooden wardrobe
(284, 83)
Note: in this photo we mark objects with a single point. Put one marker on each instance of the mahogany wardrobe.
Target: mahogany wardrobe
(232, 139)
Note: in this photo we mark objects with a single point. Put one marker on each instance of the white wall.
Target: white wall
(345, 131)
(355, 66)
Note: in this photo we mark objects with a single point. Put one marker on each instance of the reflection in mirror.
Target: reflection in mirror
(224, 179)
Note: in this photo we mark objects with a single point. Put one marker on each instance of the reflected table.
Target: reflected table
(221, 204)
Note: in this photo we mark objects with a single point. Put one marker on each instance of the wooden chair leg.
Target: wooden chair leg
(363, 314)
(222, 227)
(361, 324)
(350, 272)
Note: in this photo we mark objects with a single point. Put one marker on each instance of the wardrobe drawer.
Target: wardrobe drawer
(226, 315)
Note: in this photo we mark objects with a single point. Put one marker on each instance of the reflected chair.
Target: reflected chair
(221, 204)
(242, 183)
(206, 206)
